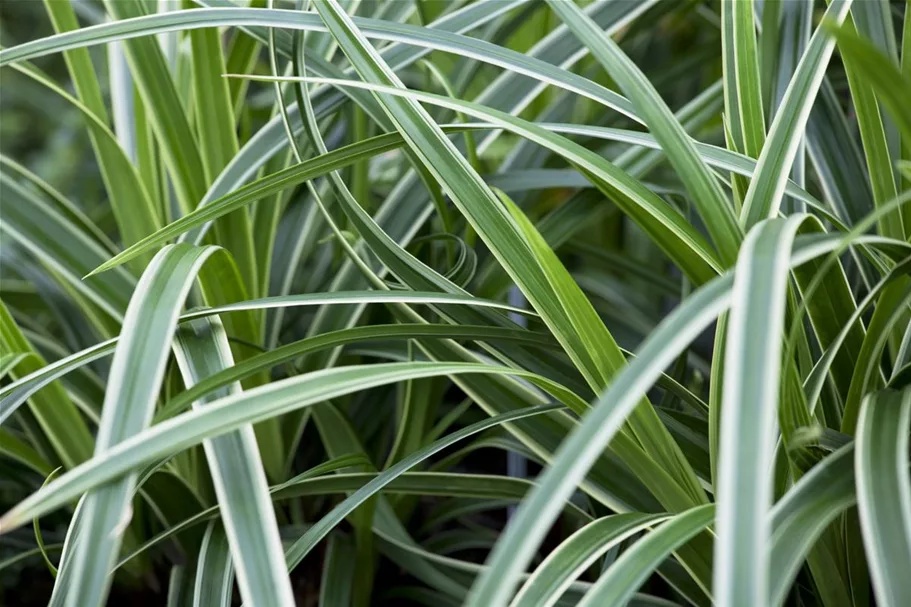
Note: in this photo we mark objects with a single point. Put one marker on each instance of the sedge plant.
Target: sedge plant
(434, 302)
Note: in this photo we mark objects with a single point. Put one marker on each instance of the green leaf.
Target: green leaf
(600, 425)
(180, 586)
(884, 492)
(232, 412)
(214, 571)
(29, 221)
(515, 244)
(134, 211)
(801, 516)
(55, 413)
(215, 124)
(338, 574)
(830, 308)
(815, 381)
(906, 139)
(702, 185)
(786, 29)
(763, 198)
(749, 96)
(210, 513)
(164, 109)
(748, 419)
(836, 158)
(65, 206)
(882, 76)
(577, 553)
(15, 448)
(610, 228)
(890, 309)
(292, 351)
(27, 554)
(9, 360)
(677, 237)
(38, 537)
(621, 580)
(644, 422)
(530, 522)
(14, 394)
(202, 350)
(300, 548)
(438, 38)
(136, 374)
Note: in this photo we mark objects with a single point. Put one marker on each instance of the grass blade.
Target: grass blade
(884, 492)
(165, 111)
(891, 86)
(891, 307)
(232, 412)
(749, 95)
(134, 211)
(56, 414)
(803, 514)
(70, 253)
(338, 574)
(678, 238)
(748, 420)
(763, 198)
(15, 393)
(870, 123)
(702, 185)
(622, 235)
(136, 374)
(577, 453)
(215, 121)
(300, 548)
(576, 554)
(836, 158)
(214, 571)
(65, 206)
(531, 521)
(16, 449)
(619, 583)
(237, 473)
(514, 242)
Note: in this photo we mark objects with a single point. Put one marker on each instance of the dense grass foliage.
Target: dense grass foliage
(447, 302)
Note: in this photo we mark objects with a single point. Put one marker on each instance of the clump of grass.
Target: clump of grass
(340, 259)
